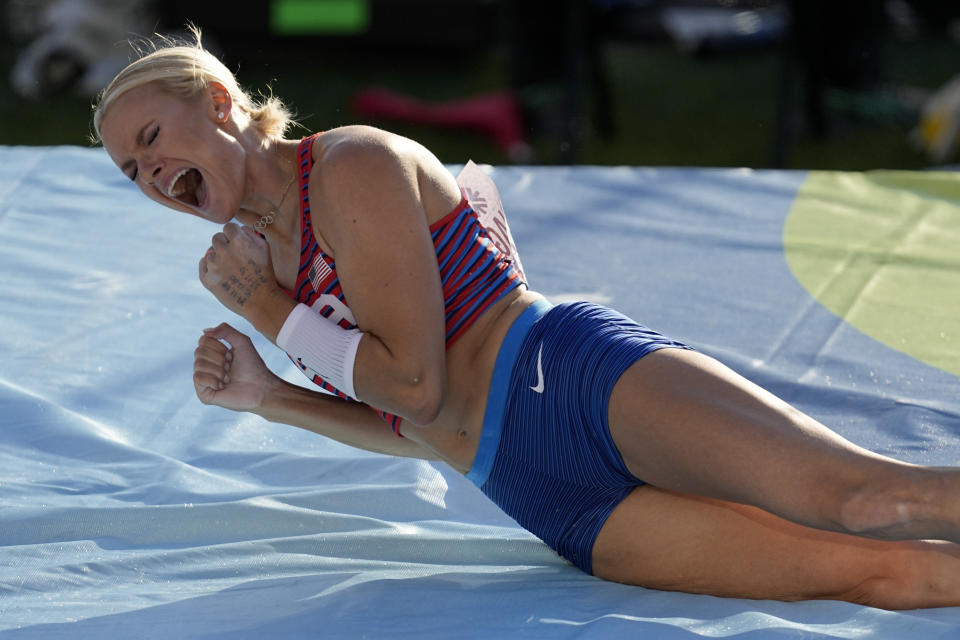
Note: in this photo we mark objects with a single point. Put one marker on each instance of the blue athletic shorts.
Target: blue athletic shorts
(546, 456)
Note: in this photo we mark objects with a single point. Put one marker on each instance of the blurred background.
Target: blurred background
(848, 84)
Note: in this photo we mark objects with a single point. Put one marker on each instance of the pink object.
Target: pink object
(482, 194)
(496, 115)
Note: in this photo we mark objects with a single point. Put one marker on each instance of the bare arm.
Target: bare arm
(237, 378)
(367, 199)
(351, 423)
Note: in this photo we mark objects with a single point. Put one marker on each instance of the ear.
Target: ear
(220, 102)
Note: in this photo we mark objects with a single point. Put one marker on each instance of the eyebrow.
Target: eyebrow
(138, 142)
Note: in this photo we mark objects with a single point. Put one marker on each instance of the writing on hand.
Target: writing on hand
(241, 286)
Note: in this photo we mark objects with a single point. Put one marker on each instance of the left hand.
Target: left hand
(237, 270)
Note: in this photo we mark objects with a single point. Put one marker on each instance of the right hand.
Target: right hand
(233, 377)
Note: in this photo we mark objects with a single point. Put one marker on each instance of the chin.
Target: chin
(215, 216)
(212, 213)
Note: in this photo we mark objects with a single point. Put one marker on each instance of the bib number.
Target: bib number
(340, 310)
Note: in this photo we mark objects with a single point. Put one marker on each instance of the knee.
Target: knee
(879, 507)
(886, 587)
(842, 507)
(891, 594)
(860, 510)
(913, 578)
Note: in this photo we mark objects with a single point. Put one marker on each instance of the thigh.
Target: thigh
(685, 422)
(676, 542)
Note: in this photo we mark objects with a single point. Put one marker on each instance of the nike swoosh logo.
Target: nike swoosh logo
(539, 386)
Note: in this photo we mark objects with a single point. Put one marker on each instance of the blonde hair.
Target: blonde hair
(185, 68)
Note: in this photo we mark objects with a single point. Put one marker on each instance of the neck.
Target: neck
(272, 208)
(271, 203)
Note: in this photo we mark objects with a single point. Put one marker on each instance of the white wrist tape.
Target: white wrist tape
(321, 345)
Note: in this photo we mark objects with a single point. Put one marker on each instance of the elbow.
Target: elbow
(405, 383)
(423, 399)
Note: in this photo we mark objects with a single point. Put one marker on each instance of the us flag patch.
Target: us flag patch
(319, 272)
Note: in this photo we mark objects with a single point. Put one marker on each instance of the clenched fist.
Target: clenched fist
(233, 377)
(238, 271)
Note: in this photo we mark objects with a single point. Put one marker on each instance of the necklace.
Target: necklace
(271, 215)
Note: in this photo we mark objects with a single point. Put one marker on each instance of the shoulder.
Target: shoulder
(355, 149)
(358, 158)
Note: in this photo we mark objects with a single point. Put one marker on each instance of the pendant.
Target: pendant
(265, 220)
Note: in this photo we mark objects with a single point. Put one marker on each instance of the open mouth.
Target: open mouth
(188, 188)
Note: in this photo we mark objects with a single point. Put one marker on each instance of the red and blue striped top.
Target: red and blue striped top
(473, 270)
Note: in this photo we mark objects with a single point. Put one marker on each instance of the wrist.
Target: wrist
(271, 312)
(321, 346)
(275, 396)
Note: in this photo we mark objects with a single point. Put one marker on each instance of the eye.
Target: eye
(153, 135)
(133, 176)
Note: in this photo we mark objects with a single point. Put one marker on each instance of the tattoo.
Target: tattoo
(245, 283)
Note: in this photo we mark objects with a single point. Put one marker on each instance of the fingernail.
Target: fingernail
(208, 330)
(226, 366)
(226, 378)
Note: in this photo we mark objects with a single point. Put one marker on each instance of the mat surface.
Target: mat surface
(128, 509)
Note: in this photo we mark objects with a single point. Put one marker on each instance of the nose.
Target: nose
(150, 170)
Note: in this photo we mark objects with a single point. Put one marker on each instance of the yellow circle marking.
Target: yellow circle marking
(882, 251)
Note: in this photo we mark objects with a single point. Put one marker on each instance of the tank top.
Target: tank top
(475, 273)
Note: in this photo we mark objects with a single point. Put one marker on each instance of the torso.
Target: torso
(470, 360)
(455, 434)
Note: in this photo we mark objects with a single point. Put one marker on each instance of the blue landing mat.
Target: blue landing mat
(128, 509)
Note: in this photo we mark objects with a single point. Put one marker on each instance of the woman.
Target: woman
(640, 460)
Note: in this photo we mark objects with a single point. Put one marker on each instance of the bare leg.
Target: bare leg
(685, 422)
(664, 540)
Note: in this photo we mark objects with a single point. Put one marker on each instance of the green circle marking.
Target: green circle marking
(882, 251)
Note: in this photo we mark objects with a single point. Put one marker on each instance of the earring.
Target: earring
(221, 115)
